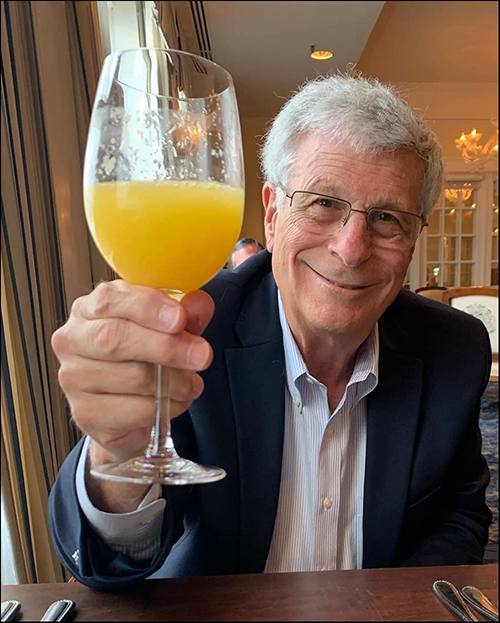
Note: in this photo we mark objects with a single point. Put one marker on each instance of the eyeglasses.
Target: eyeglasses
(318, 213)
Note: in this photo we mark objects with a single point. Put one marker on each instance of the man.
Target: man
(347, 423)
(243, 249)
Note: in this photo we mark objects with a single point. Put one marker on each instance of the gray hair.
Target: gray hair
(368, 116)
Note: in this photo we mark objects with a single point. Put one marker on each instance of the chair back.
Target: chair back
(432, 292)
(481, 302)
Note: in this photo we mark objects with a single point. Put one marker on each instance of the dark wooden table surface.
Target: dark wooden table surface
(366, 595)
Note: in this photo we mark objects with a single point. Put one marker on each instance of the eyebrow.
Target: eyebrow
(328, 188)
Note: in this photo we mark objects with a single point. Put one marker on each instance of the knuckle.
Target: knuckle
(102, 299)
(66, 377)
(166, 348)
(109, 335)
(77, 305)
(143, 378)
(185, 390)
(59, 340)
(80, 415)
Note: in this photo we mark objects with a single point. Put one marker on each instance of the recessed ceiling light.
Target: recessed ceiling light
(320, 55)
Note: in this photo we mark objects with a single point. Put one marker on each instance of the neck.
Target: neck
(329, 357)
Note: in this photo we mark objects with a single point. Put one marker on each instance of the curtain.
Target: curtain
(168, 24)
(50, 65)
(177, 23)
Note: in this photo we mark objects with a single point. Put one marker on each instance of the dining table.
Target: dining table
(396, 594)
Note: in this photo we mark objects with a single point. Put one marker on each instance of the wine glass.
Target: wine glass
(164, 195)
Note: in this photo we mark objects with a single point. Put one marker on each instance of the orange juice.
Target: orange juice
(173, 235)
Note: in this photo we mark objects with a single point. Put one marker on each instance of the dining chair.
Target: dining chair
(432, 292)
(481, 302)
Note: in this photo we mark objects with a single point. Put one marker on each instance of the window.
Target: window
(451, 238)
(127, 25)
(494, 234)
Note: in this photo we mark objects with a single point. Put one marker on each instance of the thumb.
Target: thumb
(199, 308)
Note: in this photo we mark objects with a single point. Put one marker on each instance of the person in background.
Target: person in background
(347, 421)
(243, 249)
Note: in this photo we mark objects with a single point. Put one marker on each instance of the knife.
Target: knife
(450, 596)
(482, 604)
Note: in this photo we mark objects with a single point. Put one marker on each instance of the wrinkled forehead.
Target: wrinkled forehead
(328, 166)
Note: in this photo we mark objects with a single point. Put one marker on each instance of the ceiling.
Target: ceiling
(434, 42)
(266, 45)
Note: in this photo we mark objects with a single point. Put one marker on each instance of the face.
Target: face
(342, 280)
(244, 253)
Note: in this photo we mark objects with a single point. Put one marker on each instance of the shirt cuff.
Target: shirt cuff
(121, 529)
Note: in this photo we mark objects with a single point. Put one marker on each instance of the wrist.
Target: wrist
(108, 496)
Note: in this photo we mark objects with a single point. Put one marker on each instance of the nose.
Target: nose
(352, 241)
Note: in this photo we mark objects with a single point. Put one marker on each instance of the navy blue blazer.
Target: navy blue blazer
(425, 477)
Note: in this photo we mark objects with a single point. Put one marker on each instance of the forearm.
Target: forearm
(456, 531)
(106, 495)
(458, 541)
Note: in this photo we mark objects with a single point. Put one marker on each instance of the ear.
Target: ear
(270, 202)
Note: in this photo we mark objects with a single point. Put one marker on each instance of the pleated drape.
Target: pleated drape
(50, 65)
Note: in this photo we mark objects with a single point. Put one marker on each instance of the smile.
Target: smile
(337, 284)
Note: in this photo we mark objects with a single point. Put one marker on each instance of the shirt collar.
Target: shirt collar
(365, 367)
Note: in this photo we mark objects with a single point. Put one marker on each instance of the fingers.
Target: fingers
(199, 308)
(114, 339)
(146, 307)
(120, 322)
(128, 378)
(120, 424)
(107, 351)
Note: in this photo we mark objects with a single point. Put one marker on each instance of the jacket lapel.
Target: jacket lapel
(257, 378)
(392, 418)
(257, 384)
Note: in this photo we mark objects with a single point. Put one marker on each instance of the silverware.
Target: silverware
(450, 596)
(10, 610)
(61, 610)
(480, 602)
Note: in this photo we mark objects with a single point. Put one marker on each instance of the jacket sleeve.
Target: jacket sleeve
(85, 554)
(458, 532)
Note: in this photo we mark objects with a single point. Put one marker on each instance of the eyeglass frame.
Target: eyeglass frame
(366, 213)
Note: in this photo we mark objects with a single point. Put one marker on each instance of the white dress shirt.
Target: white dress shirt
(320, 509)
(319, 524)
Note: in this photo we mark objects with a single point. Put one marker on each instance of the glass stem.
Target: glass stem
(161, 436)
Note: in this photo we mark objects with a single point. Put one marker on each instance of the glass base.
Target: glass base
(167, 469)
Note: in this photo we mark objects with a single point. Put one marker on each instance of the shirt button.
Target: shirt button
(309, 380)
(297, 402)
(325, 568)
(327, 503)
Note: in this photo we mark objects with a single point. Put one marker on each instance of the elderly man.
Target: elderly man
(347, 422)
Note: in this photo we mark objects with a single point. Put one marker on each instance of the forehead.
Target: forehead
(332, 168)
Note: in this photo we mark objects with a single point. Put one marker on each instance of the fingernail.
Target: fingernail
(169, 316)
(198, 354)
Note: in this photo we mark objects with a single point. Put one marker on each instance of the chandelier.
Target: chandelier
(452, 195)
(471, 149)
